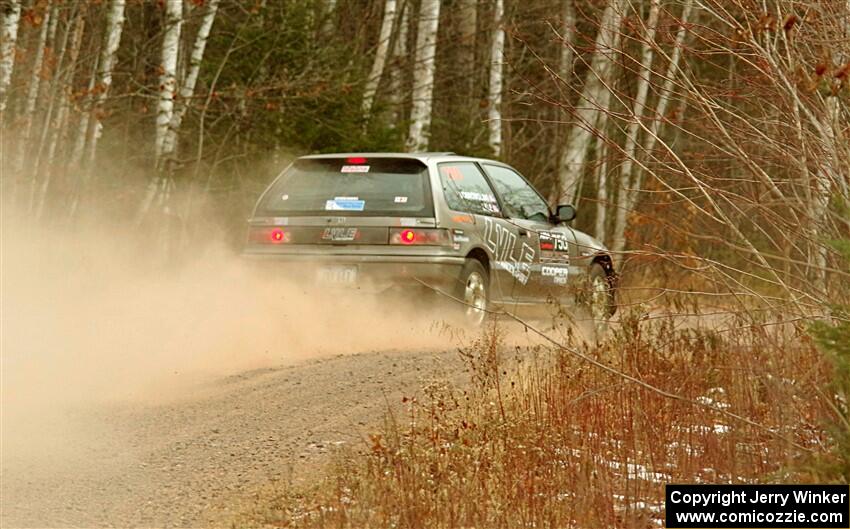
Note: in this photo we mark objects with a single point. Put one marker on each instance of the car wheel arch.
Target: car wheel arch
(481, 256)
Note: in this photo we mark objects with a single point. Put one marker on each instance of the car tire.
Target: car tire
(474, 291)
(600, 298)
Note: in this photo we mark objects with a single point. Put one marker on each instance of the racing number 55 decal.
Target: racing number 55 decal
(502, 242)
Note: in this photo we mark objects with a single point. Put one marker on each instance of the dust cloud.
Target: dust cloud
(87, 315)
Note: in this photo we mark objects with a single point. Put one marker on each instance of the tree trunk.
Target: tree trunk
(494, 94)
(602, 200)
(397, 69)
(187, 91)
(167, 77)
(630, 191)
(568, 30)
(467, 22)
(594, 100)
(32, 99)
(423, 75)
(114, 28)
(627, 167)
(65, 88)
(377, 72)
(10, 15)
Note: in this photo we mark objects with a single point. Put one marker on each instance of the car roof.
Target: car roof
(422, 156)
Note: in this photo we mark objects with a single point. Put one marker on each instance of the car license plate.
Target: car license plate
(337, 275)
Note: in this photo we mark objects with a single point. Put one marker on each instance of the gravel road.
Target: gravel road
(190, 459)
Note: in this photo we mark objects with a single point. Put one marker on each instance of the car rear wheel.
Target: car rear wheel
(474, 291)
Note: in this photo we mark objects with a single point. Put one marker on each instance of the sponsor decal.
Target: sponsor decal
(355, 169)
(453, 173)
(345, 204)
(559, 274)
(502, 242)
(463, 219)
(554, 248)
(460, 236)
(554, 271)
(474, 196)
(552, 241)
(339, 233)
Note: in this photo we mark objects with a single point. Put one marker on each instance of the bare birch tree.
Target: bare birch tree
(380, 59)
(644, 74)
(494, 93)
(106, 65)
(423, 75)
(594, 100)
(10, 15)
(187, 91)
(173, 23)
(33, 89)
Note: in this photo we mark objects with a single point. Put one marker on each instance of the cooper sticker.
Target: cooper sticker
(354, 169)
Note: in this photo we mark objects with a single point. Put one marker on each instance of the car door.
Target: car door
(467, 190)
(552, 269)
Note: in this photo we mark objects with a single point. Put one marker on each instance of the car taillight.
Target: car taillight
(269, 236)
(418, 236)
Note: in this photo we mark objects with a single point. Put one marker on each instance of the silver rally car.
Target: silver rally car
(471, 228)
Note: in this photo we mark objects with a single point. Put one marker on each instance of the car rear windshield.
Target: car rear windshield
(351, 187)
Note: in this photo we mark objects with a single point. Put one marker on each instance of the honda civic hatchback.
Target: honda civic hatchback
(472, 229)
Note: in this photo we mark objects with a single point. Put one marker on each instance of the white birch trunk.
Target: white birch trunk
(423, 75)
(75, 160)
(594, 100)
(568, 30)
(328, 24)
(32, 97)
(106, 64)
(627, 167)
(494, 94)
(10, 16)
(630, 191)
(187, 91)
(377, 72)
(602, 188)
(168, 74)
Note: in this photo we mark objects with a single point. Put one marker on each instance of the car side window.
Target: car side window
(520, 200)
(466, 189)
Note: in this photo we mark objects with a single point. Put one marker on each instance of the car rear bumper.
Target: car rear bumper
(374, 273)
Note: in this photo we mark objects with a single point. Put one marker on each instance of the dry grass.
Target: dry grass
(541, 438)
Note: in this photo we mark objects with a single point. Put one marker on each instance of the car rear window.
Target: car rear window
(351, 187)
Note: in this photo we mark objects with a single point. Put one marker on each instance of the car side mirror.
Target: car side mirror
(565, 213)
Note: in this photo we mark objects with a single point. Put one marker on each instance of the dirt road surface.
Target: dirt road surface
(188, 461)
